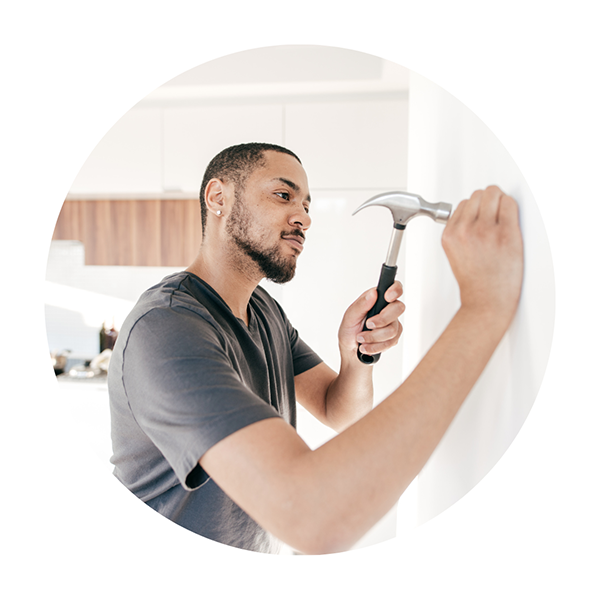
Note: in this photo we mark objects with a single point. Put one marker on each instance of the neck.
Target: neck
(230, 275)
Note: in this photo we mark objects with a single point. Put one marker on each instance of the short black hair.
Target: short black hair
(235, 164)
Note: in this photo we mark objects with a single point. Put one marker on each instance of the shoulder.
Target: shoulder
(174, 309)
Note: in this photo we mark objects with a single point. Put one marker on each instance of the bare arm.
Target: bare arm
(325, 500)
(340, 400)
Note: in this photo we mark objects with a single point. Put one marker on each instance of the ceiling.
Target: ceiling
(265, 74)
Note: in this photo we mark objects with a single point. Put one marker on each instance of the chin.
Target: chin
(282, 275)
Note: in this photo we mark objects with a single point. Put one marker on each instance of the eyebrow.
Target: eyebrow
(291, 184)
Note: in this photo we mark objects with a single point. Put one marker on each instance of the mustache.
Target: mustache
(297, 232)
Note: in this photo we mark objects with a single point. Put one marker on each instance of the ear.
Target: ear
(217, 195)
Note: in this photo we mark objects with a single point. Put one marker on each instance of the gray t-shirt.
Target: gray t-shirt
(186, 373)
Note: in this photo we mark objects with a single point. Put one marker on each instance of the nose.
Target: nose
(300, 219)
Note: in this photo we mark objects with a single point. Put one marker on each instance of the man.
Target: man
(206, 371)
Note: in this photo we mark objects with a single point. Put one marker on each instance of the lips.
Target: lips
(295, 240)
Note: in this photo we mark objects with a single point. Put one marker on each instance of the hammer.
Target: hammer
(404, 207)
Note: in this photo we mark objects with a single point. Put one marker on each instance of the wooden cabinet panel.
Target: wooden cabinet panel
(177, 226)
(95, 231)
(122, 235)
(148, 233)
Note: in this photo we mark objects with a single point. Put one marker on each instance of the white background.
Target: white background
(529, 71)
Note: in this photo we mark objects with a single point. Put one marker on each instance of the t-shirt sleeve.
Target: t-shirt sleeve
(183, 391)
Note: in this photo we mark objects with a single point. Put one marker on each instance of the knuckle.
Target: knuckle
(448, 235)
(366, 339)
(393, 310)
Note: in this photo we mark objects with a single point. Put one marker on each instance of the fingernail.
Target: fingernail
(370, 324)
(360, 339)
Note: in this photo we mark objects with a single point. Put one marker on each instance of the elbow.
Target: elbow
(318, 516)
(320, 544)
(322, 531)
(328, 547)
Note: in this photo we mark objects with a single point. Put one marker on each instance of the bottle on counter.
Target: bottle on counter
(108, 337)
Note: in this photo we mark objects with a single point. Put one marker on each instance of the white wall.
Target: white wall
(451, 154)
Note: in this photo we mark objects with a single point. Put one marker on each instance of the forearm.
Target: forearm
(350, 395)
(376, 458)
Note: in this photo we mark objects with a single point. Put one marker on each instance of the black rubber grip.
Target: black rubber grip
(386, 279)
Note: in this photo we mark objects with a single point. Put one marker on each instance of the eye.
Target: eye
(306, 209)
(283, 195)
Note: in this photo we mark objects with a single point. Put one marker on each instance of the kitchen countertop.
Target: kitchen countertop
(98, 382)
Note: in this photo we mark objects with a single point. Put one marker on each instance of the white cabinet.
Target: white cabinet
(193, 135)
(127, 160)
(342, 144)
(351, 144)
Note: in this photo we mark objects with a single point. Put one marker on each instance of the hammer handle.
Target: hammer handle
(386, 279)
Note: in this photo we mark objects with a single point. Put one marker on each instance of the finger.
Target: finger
(388, 314)
(508, 211)
(466, 211)
(393, 292)
(379, 335)
(489, 203)
(378, 347)
(471, 208)
(456, 215)
(360, 307)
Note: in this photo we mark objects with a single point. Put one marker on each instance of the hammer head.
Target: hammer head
(405, 206)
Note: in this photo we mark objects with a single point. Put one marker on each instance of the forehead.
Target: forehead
(278, 165)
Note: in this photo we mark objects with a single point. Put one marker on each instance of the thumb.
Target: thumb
(358, 310)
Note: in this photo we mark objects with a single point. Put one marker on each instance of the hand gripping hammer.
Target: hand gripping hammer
(404, 207)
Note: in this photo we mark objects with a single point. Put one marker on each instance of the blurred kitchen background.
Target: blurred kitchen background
(132, 215)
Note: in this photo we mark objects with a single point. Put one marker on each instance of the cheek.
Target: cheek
(263, 231)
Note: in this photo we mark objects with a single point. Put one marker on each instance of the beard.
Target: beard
(269, 260)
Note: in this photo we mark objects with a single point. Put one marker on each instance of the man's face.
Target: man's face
(270, 216)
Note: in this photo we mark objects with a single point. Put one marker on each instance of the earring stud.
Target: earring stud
(219, 213)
